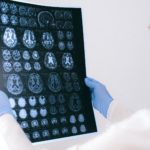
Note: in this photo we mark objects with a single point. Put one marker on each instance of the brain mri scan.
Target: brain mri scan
(67, 61)
(47, 40)
(35, 55)
(4, 19)
(9, 37)
(4, 7)
(14, 84)
(16, 55)
(43, 69)
(7, 66)
(6, 54)
(50, 60)
(27, 66)
(17, 67)
(29, 39)
(26, 55)
(45, 18)
(14, 20)
(35, 83)
(54, 82)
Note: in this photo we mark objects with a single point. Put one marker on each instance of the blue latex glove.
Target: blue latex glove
(100, 97)
(4, 104)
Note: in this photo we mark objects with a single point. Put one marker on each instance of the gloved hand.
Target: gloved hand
(100, 97)
(4, 104)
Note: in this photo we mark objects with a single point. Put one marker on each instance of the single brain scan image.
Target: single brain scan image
(35, 55)
(59, 14)
(74, 76)
(17, 67)
(54, 82)
(16, 55)
(7, 66)
(67, 15)
(68, 25)
(32, 22)
(37, 66)
(50, 60)
(68, 86)
(4, 19)
(70, 45)
(32, 101)
(61, 45)
(75, 102)
(76, 86)
(42, 100)
(35, 83)
(9, 37)
(62, 109)
(13, 9)
(4, 7)
(23, 21)
(69, 35)
(45, 19)
(27, 66)
(53, 110)
(29, 39)
(61, 99)
(66, 76)
(22, 10)
(47, 40)
(31, 11)
(67, 61)
(81, 118)
(52, 99)
(6, 54)
(43, 112)
(26, 55)
(14, 84)
(14, 20)
(60, 35)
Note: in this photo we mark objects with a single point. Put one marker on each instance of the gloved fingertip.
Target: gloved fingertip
(89, 79)
(86, 80)
(89, 82)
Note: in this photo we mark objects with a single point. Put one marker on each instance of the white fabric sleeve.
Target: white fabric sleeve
(118, 111)
(131, 134)
(11, 135)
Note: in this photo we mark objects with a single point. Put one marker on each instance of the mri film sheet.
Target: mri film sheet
(43, 69)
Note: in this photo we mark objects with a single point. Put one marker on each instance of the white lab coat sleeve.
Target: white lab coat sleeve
(118, 111)
(12, 136)
(131, 134)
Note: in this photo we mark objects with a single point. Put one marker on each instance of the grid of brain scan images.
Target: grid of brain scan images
(42, 67)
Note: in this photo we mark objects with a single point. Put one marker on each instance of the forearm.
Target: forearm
(12, 134)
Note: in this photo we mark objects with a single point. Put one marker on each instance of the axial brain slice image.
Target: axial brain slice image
(47, 40)
(35, 83)
(7, 66)
(67, 61)
(14, 84)
(75, 102)
(54, 82)
(6, 54)
(10, 38)
(29, 39)
(50, 60)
